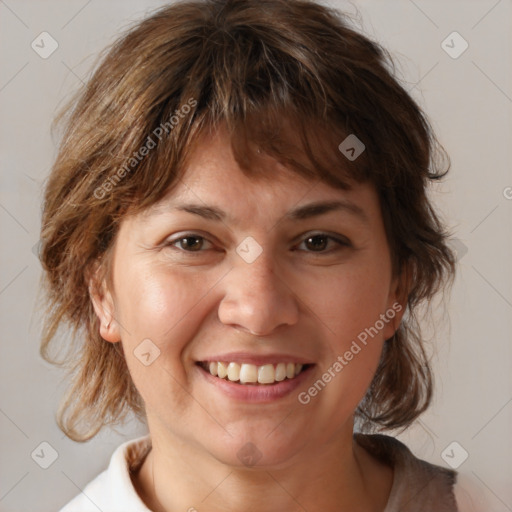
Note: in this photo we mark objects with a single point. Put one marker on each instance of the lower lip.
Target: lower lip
(259, 393)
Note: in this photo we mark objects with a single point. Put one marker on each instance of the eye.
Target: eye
(322, 241)
(314, 243)
(191, 242)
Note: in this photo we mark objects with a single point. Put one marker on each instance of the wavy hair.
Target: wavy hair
(290, 77)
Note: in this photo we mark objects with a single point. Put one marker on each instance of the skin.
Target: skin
(292, 298)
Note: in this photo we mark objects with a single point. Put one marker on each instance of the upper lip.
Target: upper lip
(256, 359)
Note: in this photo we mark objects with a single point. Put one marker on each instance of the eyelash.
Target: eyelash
(340, 242)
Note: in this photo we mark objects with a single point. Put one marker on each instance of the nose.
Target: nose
(256, 299)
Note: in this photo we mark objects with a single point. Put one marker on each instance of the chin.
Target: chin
(258, 449)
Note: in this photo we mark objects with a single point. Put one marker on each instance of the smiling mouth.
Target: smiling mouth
(251, 374)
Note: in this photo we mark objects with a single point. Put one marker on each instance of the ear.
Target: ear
(397, 302)
(103, 303)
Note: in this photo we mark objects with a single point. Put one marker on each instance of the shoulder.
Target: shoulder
(417, 485)
(113, 490)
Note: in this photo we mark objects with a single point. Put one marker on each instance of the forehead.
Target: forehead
(213, 169)
(213, 176)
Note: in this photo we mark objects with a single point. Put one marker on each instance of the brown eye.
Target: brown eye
(189, 243)
(323, 243)
(317, 243)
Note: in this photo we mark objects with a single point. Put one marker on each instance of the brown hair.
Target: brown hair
(289, 77)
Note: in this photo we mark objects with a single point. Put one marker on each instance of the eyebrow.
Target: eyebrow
(304, 212)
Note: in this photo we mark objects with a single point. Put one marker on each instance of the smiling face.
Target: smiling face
(229, 269)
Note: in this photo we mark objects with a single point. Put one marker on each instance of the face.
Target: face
(253, 275)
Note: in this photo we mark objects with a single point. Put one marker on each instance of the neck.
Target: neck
(340, 476)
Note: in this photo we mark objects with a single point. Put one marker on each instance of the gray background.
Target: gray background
(469, 100)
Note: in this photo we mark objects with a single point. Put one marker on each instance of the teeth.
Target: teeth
(280, 372)
(248, 373)
(233, 372)
(222, 370)
(266, 374)
(251, 374)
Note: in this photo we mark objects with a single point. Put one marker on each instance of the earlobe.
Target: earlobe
(104, 308)
(393, 314)
(397, 304)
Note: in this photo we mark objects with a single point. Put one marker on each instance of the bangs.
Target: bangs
(272, 96)
(308, 148)
(294, 128)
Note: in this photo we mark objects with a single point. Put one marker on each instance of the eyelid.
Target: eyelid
(340, 240)
(169, 242)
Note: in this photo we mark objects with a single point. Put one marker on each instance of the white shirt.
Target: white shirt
(113, 490)
(417, 485)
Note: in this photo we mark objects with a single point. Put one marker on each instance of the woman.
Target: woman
(237, 229)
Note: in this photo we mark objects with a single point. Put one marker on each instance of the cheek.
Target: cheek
(155, 300)
(352, 307)
(164, 307)
(351, 300)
